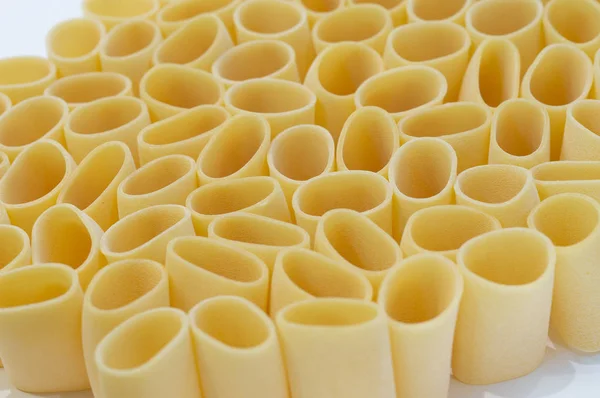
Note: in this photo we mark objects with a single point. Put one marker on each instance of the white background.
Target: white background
(23, 25)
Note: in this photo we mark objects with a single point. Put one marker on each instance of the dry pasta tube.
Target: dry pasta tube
(596, 86)
(146, 233)
(257, 195)
(64, 234)
(581, 140)
(93, 185)
(402, 90)
(166, 180)
(396, 9)
(438, 10)
(422, 174)
(5, 103)
(264, 236)
(74, 46)
(575, 22)
(561, 75)
(25, 76)
(15, 251)
(40, 338)
(520, 134)
(421, 297)
(198, 44)
(318, 9)
(505, 308)
(31, 120)
(235, 340)
(463, 125)
(200, 268)
(566, 176)
(45, 166)
(149, 355)
(444, 229)
(118, 292)
(238, 150)
(4, 164)
(114, 12)
(572, 222)
(104, 120)
(336, 344)
(84, 88)
(3, 216)
(366, 23)
(364, 191)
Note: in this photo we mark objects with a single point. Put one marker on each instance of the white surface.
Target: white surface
(564, 374)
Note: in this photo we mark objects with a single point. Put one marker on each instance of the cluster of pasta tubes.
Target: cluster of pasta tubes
(300, 198)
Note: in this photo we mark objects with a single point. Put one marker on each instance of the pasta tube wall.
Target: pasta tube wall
(581, 140)
(574, 22)
(25, 77)
(176, 14)
(566, 176)
(5, 103)
(114, 12)
(15, 251)
(438, 10)
(318, 9)
(396, 9)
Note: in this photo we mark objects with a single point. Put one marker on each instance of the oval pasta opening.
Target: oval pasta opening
(14, 243)
(322, 6)
(268, 16)
(75, 38)
(587, 114)
(25, 70)
(189, 43)
(358, 23)
(88, 87)
(428, 41)
(120, 9)
(330, 313)
(444, 120)
(157, 175)
(180, 11)
(520, 127)
(498, 72)
(566, 171)
(129, 38)
(576, 21)
(35, 285)
(493, 184)
(257, 230)
(503, 17)
(432, 10)
(269, 96)
(104, 115)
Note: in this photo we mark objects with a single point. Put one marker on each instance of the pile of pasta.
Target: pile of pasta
(305, 199)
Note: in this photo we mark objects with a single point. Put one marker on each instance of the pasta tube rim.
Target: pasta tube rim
(412, 15)
(25, 251)
(539, 169)
(52, 89)
(95, 51)
(156, 38)
(551, 27)
(112, 19)
(46, 79)
(476, 8)
(240, 25)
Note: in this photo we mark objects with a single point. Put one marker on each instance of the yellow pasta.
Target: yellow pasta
(178, 13)
(5, 103)
(438, 10)
(235, 341)
(3, 215)
(318, 9)
(520, 134)
(396, 9)
(581, 140)
(422, 174)
(595, 93)
(40, 338)
(4, 165)
(25, 76)
(336, 346)
(200, 268)
(505, 308)
(421, 297)
(146, 233)
(553, 178)
(15, 250)
(149, 355)
(114, 12)
(575, 22)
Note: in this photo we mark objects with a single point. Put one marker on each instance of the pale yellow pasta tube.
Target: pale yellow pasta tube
(15, 251)
(403, 89)
(4, 164)
(104, 120)
(166, 180)
(596, 86)
(438, 10)
(505, 308)
(64, 234)
(3, 215)
(444, 229)
(149, 355)
(565, 176)
(25, 76)
(74, 45)
(520, 134)
(318, 9)
(422, 174)
(366, 23)
(442, 45)
(40, 338)
(336, 346)
(421, 298)
(32, 183)
(93, 185)
(5, 103)
(200, 268)
(146, 233)
(31, 120)
(118, 292)
(560, 75)
(235, 340)
(257, 195)
(264, 236)
(198, 44)
(396, 8)
(238, 150)
(177, 14)
(572, 222)
(114, 12)
(575, 22)
(581, 140)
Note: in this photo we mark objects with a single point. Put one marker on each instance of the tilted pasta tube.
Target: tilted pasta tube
(421, 297)
(581, 140)
(25, 76)
(438, 10)
(396, 9)
(15, 250)
(575, 22)
(567, 176)
(336, 346)
(235, 341)
(5, 103)
(505, 308)
(318, 9)
(177, 14)
(114, 12)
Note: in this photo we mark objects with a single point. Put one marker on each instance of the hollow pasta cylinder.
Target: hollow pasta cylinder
(64, 234)
(15, 251)
(176, 14)
(149, 355)
(571, 220)
(31, 120)
(402, 90)
(46, 166)
(4, 220)
(581, 141)
(507, 299)
(118, 292)
(421, 297)
(235, 340)
(92, 187)
(567, 176)
(444, 229)
(113, 12)
(200, 268)
(318, 9)
(421, 174)
(438, 10)
(40, 339)
(258, 195)
(146, 233)
(25, 77)
(396, 9)
(560, 75)
(574, 22)
(463, 125)
(4, 163)
(74, 45)
(328, 341)
(5, 103)
(300, 274)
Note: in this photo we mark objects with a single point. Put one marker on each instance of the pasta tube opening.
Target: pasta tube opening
(25, 76)
(178, 13)
(566, 176)
(114, 12)
(396, 8)
(438, 10)
(15, 251)
(576, 22)
(329, 312)
(582, 129)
